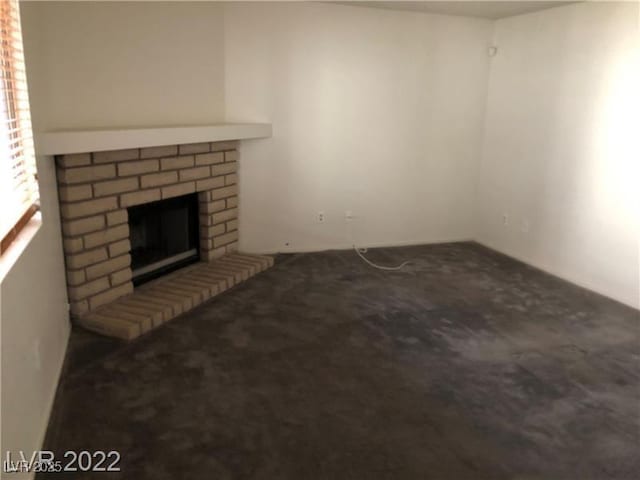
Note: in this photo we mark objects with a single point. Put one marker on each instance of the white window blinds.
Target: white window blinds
(18, 181)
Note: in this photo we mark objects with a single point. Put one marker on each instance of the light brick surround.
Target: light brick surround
(95, 190)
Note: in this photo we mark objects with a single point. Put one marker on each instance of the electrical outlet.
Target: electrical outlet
(320, 217)
(505, 219)
(348, 216)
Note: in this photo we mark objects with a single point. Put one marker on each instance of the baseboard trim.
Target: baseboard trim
(349, 246)
(54, 394)
(562, 276)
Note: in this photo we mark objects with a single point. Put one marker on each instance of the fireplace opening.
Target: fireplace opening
(164, 236)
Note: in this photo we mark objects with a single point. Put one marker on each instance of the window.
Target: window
(19, 195)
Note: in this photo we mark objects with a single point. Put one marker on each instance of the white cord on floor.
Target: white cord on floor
(360, 252)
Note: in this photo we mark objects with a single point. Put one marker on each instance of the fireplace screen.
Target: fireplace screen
(164, 236)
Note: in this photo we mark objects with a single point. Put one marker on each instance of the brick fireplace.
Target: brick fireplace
(96, 189)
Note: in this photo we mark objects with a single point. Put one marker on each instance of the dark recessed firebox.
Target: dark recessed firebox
(164, 236)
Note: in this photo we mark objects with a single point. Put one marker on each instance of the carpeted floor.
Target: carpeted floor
(466, 365)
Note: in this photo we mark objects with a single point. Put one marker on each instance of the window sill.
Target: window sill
(19, 245)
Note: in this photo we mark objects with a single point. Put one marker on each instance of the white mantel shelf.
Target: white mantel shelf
(81, 141)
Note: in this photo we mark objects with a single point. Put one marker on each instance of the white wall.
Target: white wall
(35, 328)
(91, 65)
(118, 64)
(374, 111)
(370, 113)
(561, 149)
(377, 112)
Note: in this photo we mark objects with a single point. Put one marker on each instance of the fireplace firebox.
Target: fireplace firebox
(164, 237)
(115, 234)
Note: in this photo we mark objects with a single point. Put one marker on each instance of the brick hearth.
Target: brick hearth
(159, 301)
(95, 190)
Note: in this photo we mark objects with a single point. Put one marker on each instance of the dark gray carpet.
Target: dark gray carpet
(467, 365)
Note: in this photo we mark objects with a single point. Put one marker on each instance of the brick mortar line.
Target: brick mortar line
(226, 169)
